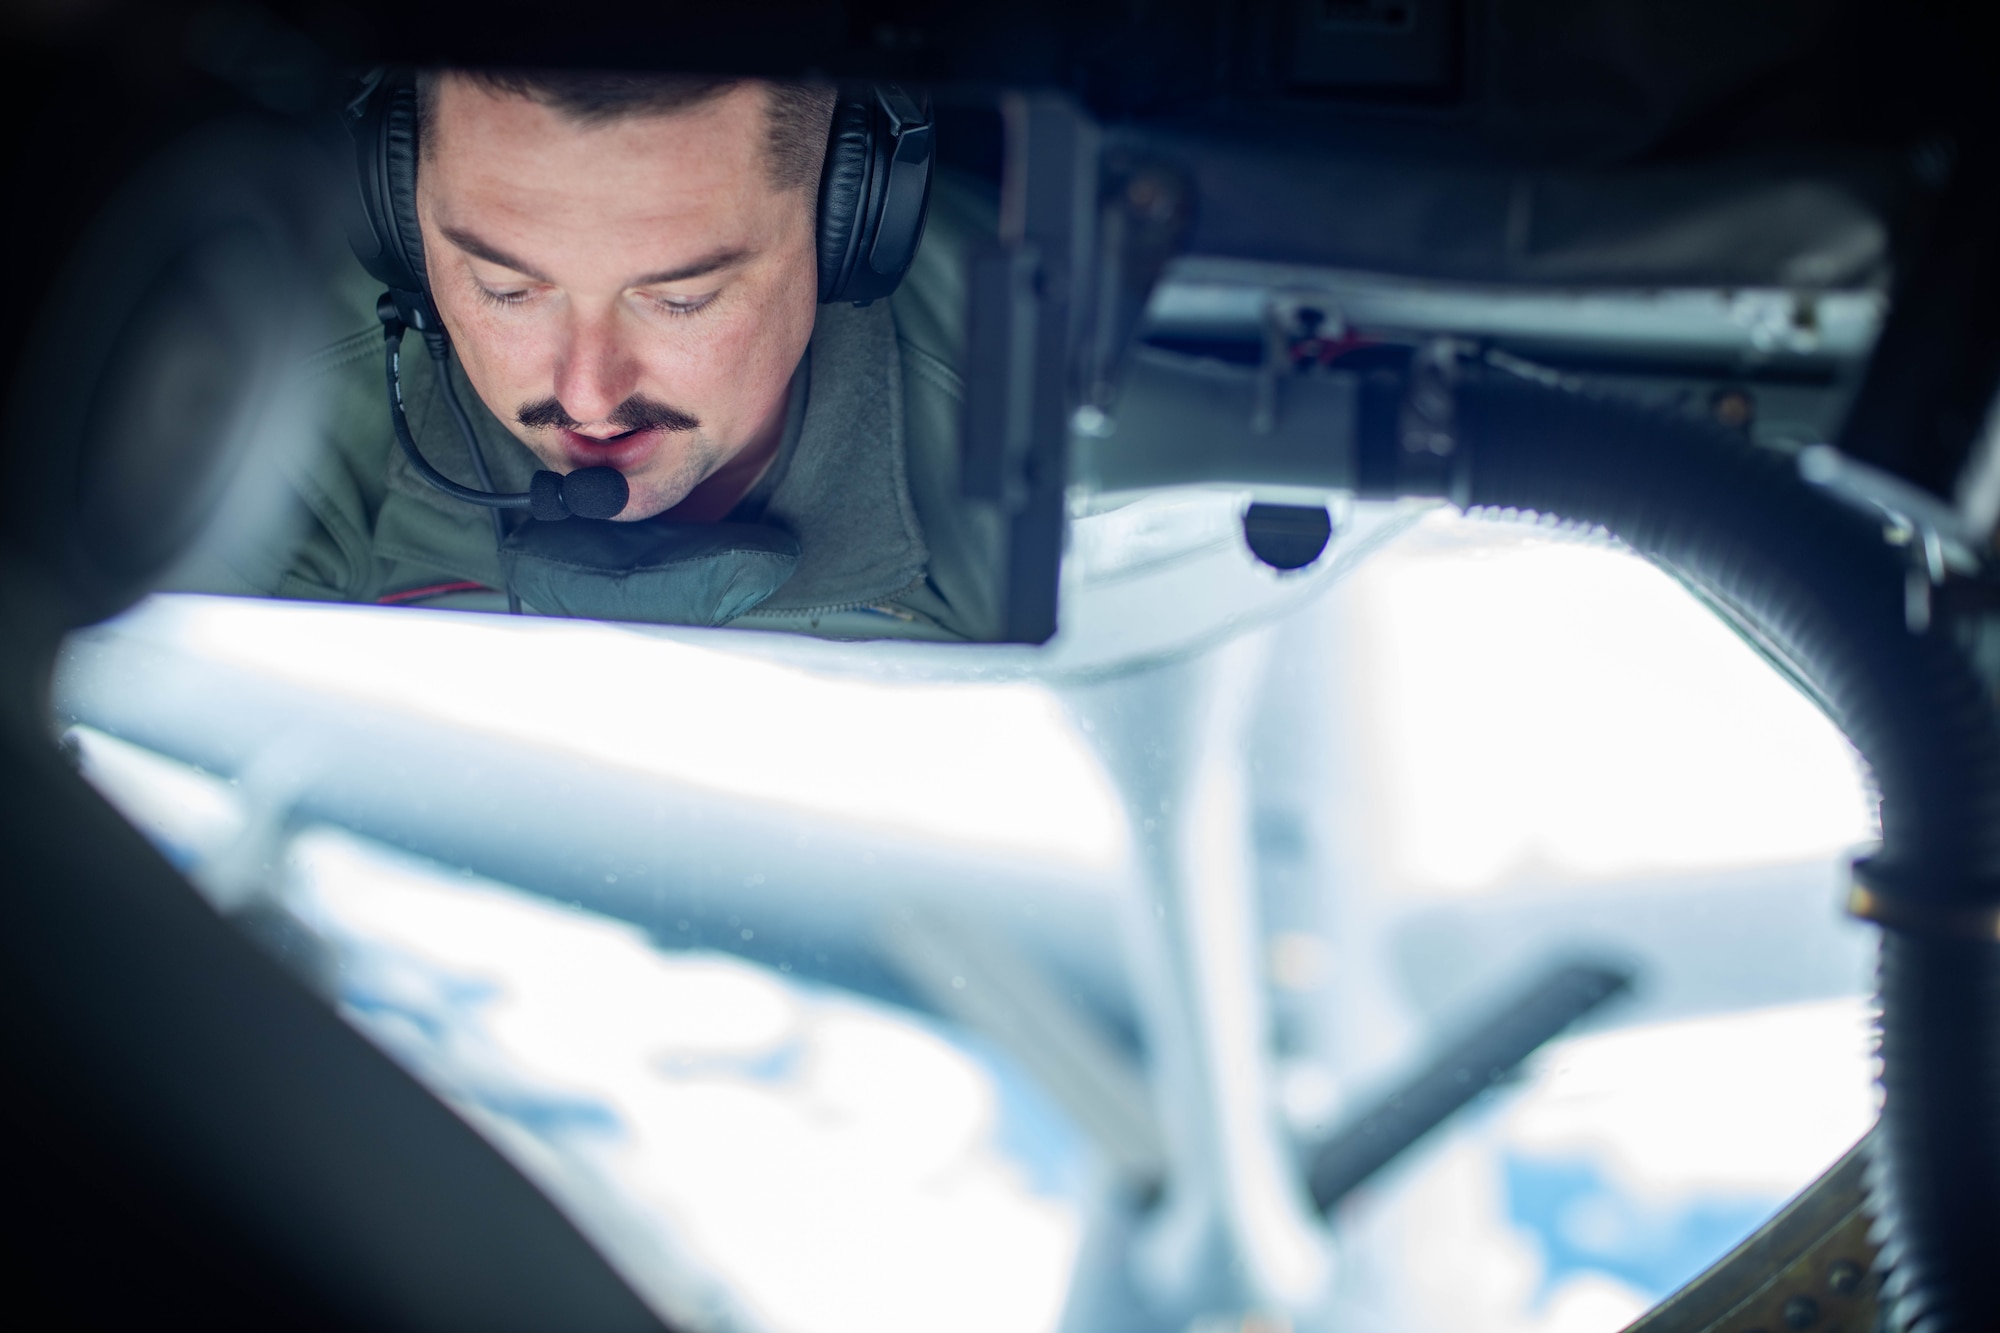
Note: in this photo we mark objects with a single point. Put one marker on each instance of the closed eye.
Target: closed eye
(682, 305)
(491, 297)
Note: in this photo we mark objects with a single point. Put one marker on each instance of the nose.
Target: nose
(594, 371)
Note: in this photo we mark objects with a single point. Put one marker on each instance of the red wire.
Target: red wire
(429, 590)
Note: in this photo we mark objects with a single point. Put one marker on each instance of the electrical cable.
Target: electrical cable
(479, 470)
(588, 492)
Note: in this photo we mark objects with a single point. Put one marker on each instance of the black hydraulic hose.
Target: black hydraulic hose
(1816, 582)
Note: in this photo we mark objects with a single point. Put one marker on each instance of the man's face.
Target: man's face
(632, 294)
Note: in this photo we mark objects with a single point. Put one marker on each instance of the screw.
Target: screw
(1801, 1312)
(1844, 1277)
(1733, 408)
(1431, 401)
(1153, 196)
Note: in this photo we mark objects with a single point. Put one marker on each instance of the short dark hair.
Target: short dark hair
(797, 113)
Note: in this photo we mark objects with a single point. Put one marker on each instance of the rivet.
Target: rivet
(1801, 1312)
(1844, 1277)
(1734, 409)
(1152, 196)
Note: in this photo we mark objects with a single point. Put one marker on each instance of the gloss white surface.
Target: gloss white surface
(941, 761)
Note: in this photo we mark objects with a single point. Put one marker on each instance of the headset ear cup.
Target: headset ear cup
(386, 239)
(399, 178)
(844, 192)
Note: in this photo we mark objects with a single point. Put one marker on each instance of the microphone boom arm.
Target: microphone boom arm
(591, 492)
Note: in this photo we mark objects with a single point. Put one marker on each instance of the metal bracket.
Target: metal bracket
(1944, 550)
(1026, 314)
(1145, 209)
(1427, 459)
(1303, 331)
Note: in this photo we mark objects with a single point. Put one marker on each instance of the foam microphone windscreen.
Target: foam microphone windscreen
(596, 492)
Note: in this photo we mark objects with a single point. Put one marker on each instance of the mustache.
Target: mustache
(636, 413)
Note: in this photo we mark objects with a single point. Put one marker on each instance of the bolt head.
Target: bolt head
(1734, 409)
(1152, 196)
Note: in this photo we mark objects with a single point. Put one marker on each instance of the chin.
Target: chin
(638, 511)
(647, 502)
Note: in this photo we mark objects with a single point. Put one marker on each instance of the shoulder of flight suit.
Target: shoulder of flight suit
(324, 551)
(340, 550)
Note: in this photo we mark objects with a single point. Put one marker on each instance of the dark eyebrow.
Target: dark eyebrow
(707, 264)
(700, 268)
(479, 249)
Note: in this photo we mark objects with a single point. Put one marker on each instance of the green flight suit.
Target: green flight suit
(866, 478)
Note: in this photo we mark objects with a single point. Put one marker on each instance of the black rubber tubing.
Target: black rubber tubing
(1816, 582)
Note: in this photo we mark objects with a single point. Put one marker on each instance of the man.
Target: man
(626, 268)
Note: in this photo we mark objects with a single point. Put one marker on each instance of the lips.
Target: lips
(623, 452)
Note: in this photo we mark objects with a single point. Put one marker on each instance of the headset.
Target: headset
(874, 193)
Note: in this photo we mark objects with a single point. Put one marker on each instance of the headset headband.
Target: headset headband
(874, 192)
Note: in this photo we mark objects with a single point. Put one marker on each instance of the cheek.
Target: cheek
(743, 356)
(504, 355)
